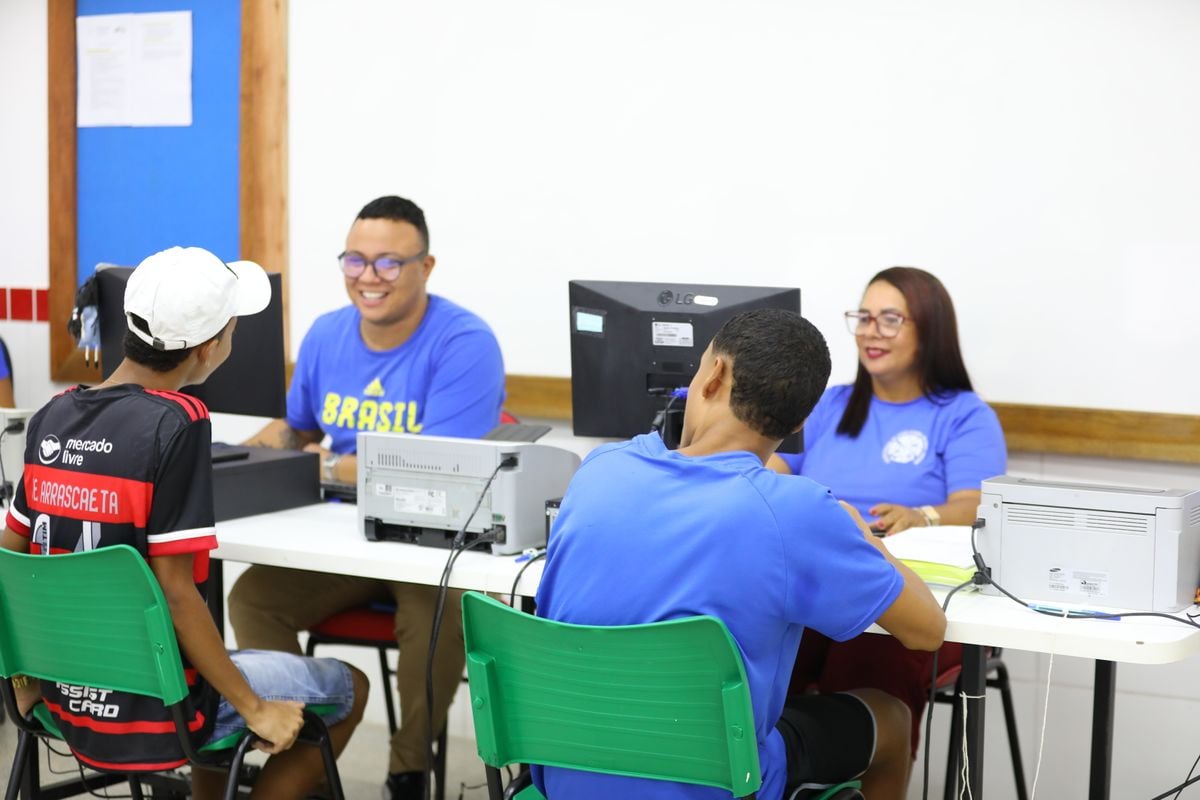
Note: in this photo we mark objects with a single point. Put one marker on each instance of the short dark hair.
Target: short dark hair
(139, 352)
(780, 368)
(939, 358)
(397, 209)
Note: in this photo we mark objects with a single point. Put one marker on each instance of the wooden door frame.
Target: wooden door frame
(262, 167)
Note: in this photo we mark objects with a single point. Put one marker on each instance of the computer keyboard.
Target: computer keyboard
(517, 432)
(228, 452)
(341, 492)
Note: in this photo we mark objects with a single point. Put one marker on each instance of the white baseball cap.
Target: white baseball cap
(187, 295)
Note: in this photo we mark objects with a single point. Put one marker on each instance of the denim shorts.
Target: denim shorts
(283, 676)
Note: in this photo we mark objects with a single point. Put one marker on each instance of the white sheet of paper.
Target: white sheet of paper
(950, 544)
(134, 69)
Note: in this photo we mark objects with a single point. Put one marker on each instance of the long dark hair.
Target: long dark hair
(939, 358)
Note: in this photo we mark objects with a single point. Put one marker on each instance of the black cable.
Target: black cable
(6, 493)
(94, 793)
(463, 786)
(458, 546)
(512, 596)
(1188, 781)
(78, 765)
(933, 692)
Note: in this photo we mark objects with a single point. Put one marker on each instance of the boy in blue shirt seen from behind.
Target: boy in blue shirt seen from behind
(648, 534)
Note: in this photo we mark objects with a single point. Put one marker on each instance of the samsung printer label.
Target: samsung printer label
(672, 334)
(1088, 583)
(418, 501)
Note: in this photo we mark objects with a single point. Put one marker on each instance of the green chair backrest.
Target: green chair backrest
(96, 618)
(667, 700)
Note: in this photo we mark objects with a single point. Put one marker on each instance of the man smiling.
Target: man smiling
(397, 359)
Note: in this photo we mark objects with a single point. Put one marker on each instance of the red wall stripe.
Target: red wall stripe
(21, 304)
(25, 305)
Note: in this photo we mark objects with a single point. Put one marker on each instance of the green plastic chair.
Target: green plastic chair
(99, 619)
(666, 701)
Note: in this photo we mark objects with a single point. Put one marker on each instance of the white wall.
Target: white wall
(24, 225)
(1038, 155)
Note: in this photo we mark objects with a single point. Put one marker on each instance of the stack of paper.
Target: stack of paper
(940, 555)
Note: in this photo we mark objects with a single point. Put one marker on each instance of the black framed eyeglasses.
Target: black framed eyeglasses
(886, 322)
(387, 267)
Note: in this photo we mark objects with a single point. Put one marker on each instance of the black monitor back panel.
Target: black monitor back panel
(632, 342)
(251, 381)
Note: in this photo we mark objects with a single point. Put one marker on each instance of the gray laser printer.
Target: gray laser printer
(1116, 546)
(421, 489)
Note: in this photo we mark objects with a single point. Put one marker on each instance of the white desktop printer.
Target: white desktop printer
(1121, 547)
(421, 489)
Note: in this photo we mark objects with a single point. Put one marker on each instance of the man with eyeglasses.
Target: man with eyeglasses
(397, 359)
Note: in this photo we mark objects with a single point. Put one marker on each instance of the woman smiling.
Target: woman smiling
(907, 444)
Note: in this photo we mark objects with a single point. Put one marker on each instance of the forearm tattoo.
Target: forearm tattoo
(289, 439)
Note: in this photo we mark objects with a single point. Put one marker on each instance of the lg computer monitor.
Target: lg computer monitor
(633, 343)
(251, 381)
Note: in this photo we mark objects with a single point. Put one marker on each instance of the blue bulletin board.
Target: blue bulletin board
(140, 190)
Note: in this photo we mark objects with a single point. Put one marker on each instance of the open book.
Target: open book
(941, 555)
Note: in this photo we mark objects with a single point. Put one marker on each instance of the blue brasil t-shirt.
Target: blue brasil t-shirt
(915, 453)
(446, 380)
(647, 534)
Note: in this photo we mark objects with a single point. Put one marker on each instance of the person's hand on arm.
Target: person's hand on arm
(960, 508)
(279, 434)
(914, 617)
(28, 691)
(276, 723)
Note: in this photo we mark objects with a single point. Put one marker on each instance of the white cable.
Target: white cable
(964, 784)
(1045, 715)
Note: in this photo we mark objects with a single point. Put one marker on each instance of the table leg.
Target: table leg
(974, 683)
(1103, 704)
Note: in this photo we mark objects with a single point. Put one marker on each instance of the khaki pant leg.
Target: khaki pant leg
(414, 625)
(268, 605)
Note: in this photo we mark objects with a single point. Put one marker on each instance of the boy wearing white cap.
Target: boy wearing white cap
(145, 448)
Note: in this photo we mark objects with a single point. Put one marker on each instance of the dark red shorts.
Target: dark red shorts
(871, 661)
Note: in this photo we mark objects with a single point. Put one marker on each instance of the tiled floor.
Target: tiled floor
(362, 765)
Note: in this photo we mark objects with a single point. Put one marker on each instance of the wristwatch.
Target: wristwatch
(329, 465)
(931, 515)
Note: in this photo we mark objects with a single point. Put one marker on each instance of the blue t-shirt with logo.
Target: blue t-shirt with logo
(647, 534)
(447, 379)
(915, 453)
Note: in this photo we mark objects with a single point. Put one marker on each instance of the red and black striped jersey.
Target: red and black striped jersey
(121, 465)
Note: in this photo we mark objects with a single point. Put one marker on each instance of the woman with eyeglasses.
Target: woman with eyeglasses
(907, 444)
